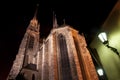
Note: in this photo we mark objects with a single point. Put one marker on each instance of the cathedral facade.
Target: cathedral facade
(63, 55)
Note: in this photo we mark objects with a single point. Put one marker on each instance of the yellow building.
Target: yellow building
(109, 56)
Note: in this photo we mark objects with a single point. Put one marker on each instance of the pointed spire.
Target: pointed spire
(34, 22)
(55, 25)
(36, 11)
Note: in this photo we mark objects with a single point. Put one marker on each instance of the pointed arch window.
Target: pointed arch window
(31, 42)
(64, 69)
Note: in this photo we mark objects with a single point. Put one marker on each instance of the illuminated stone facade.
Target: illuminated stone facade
(61, 56)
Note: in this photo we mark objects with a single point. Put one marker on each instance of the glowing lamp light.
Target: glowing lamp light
(100, 72)
(103, 38)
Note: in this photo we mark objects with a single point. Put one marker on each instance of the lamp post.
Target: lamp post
(103, 38)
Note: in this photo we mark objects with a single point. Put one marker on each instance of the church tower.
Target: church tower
(63, 55)
(26, 59)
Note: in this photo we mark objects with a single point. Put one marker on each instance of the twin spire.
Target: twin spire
(55, 25)
(34, 21)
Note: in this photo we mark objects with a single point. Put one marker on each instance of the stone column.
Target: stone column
(45, 66)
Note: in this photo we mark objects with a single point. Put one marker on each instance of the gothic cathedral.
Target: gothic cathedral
(61, 56)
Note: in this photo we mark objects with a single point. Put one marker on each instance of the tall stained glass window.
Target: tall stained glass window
(65, 71)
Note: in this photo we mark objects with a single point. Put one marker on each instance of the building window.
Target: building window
(33, 77)
(65, 71)
(26, 60)
(31, 42)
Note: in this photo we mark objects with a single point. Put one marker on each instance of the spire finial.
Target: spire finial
(54, 21)
(36, 11)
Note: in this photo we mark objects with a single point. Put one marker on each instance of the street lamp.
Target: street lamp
(103, 38)
(100, 72)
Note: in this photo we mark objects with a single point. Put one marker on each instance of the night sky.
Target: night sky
(87, 16)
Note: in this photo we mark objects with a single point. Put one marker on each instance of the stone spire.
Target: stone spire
(34, 21)
(55, 25)
(34, 25)
(35, 14)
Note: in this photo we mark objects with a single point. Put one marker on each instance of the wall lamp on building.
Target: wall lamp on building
(100, 72)
(103, 38)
